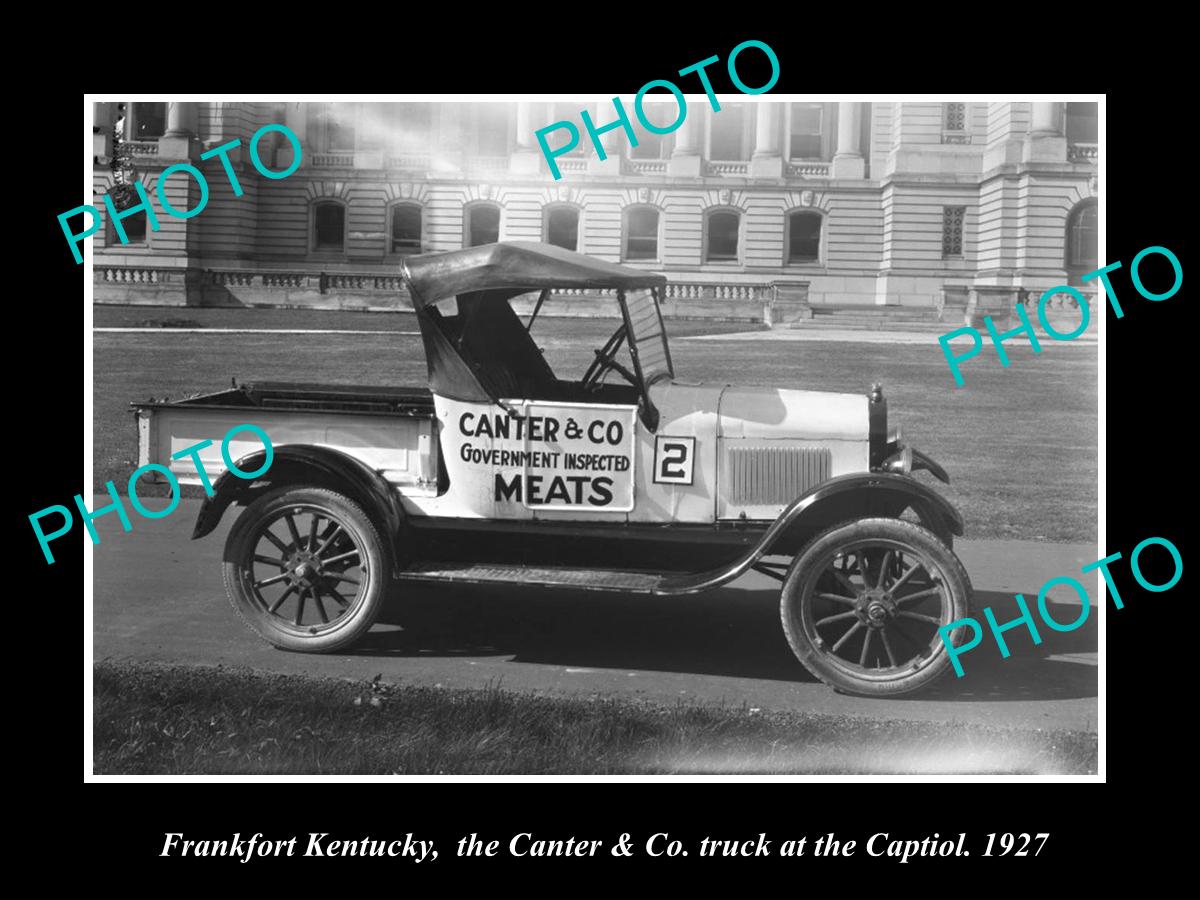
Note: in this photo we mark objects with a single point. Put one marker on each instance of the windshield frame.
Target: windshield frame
(650, 413)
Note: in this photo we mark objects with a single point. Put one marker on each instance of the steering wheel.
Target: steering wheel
(605, 360)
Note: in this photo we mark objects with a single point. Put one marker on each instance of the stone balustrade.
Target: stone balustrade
(735, 167)
(648, 166)
(808, 169)
(385, 291)
(332, 160)
(1084, 153)
(141, 148)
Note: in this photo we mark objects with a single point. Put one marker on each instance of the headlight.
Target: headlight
(899, 462)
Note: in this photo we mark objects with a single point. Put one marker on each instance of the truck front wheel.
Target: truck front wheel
(863, 603)
(305, 568)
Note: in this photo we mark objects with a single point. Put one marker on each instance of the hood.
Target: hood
(778, 413)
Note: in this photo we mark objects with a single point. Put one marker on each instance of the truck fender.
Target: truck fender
(840, 499)
(308, 464)
(865, 494)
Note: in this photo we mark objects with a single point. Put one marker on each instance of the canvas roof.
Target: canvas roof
(515, 266)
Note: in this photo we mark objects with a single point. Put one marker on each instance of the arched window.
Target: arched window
(328, 226)
(482, 224)
(721, 236)
(405, 228)
(641, 233)
(561, 227)
(804, 237)
(1083, 239)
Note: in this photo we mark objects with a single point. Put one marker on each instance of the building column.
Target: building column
(295, 117)
(766, 161)
(1047, 119)
(525, 159)
(604, 112)
(848, 162)
(179, 141)
(685, 158)
(1046, 142)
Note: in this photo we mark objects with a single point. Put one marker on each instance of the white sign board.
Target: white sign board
(554, 455)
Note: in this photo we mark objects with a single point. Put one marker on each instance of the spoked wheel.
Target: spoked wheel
(304, 568)
(863, 602)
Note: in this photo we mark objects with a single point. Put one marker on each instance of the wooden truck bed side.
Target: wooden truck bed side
(392, 430)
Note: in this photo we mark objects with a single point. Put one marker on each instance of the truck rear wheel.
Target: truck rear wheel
(863, 603)
(305, 568)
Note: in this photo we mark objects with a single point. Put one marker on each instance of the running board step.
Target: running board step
(580, 579)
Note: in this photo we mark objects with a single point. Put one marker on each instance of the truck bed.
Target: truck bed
(391, 429)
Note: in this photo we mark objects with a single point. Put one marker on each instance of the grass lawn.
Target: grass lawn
(155, 719)
(1019, 443)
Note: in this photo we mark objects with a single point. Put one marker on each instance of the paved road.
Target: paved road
(158, 596)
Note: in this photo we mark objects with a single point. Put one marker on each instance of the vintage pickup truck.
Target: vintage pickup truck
(623, 478)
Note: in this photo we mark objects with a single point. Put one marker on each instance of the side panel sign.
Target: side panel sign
(554, 455)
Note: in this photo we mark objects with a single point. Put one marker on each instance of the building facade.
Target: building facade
(765, 209)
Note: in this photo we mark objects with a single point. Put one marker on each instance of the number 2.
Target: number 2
(674, 460)
(674, 455)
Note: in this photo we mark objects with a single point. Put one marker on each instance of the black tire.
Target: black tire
(325, 544)
(838, 627)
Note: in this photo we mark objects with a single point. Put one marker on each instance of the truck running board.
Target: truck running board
(580, 579)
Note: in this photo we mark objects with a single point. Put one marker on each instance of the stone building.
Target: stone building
(765, 209)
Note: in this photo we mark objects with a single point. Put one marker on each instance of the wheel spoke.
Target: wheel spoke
(312, 532)
(836, 618)
(316, 595)
(887, 561)
(336, 596)
(341, 556)
(919, 595)
(300, 606)
(845, 582)
(333, 577)
(278, 603)
(862, 659)
(282, 547)
(887, 645)
(836, 598)
(903, 578)
(329, 538)
(920, 617)
(291, 523)
(853, 628)
(269, 561)
(272, 580)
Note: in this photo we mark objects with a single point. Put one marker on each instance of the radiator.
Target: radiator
(760, 475)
